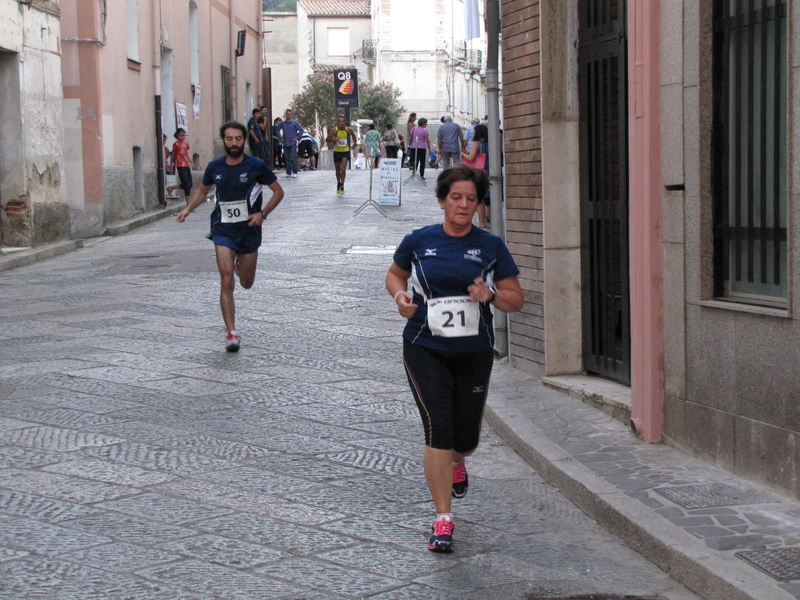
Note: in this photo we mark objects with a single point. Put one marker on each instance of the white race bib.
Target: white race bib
(342, 142)
(453, 316)
(233, 212)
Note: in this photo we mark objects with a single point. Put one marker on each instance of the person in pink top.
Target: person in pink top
(420, 142)
(183, 164)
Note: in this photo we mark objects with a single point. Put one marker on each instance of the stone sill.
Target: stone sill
(612, 398)
(766, 311)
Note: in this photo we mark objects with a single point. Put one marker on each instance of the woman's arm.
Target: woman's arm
(396, 283)
(473, 152)
(509, 297)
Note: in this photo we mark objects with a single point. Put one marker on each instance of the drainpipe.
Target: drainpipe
(162, 198)
(495, 163)
(234, 58)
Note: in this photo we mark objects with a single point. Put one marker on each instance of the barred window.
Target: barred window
(750, 151)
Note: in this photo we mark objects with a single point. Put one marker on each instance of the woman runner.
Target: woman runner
(457, 271)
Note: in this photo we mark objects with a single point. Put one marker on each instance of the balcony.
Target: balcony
(369, 49)
(474, 59)
(460, 50)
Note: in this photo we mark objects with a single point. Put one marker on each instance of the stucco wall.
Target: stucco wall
(281, 55)
(32, 197)
(110, 105)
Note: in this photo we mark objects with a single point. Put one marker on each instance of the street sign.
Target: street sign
(345, 86)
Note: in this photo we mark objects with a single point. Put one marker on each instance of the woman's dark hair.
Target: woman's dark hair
(412, 115)
(422, 122)
(232, 125)
(481, 134)
(462, 173)
(389, 126)
(179, 131)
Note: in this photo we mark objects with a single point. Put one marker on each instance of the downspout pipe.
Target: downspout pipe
(495, 149)
(162, 197)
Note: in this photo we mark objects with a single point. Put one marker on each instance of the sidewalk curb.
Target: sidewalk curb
(27, 257)
(143, 219)
(40, 253)
(680, 554)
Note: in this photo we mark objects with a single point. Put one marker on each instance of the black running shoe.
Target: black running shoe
(441, 539)
(460, 481)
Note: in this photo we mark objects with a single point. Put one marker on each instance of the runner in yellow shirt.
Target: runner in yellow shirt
(341, 136)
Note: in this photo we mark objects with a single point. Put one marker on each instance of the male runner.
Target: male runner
(341, 136)
(237, 217)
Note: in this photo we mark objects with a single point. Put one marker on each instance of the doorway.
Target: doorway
(603, 89)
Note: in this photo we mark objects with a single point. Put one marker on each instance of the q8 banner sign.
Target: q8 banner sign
(345, 85)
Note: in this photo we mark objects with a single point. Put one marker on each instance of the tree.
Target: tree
(377, 102)
(279, 5)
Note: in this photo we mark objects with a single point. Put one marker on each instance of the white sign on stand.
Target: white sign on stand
(390, 190)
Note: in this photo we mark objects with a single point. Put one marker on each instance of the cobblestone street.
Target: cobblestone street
(139, 460)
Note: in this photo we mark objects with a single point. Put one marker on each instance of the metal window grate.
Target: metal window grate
(750, 156)
(227, 104)
(369, 49)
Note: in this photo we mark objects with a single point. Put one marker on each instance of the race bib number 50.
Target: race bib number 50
(234, 212)
(453, 316)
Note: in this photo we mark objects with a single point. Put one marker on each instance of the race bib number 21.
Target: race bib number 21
(453, 316)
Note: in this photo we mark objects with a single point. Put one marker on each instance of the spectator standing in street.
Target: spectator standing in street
(457, 273)
(315, 145)
(237, 217)
(480, 145)
(254, 135)
(389, 141)
(469, 133)
(291, 132)
(372, 138)
(420, 142)
(182, 163)
(451, 143)
(343, 138)
(410, 124)
(277, 146)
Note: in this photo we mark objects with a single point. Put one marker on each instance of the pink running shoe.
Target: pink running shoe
(460, 481)
(441, 539)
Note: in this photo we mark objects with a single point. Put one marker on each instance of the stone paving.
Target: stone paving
(726, 514)
(138, 460)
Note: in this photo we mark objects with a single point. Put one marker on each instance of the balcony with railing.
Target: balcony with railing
(369, 49)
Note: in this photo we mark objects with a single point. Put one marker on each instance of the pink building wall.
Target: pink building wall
(646, 281)
(109, 109)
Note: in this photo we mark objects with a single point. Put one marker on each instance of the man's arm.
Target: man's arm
(257, 219)
(197, 199)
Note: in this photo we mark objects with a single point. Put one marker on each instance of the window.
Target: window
(227, 106)
(750, 151)
(132, 21)
(194, 45)
(338, 41)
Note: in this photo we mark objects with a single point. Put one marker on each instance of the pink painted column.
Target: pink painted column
(647, 326)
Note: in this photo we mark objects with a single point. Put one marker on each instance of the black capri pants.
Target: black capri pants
(450, 390)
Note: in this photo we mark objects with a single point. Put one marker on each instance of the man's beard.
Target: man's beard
(233, 151)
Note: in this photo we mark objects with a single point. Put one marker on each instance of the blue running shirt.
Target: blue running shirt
(243, 181)
(442, 265)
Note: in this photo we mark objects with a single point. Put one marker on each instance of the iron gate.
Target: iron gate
(603, 89)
